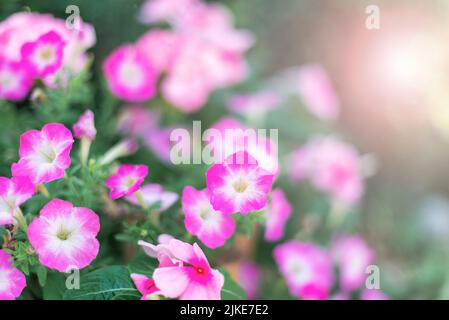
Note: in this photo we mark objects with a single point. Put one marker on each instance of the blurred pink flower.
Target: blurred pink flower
(16, 80)
(317, 92)
(238, 184)
(12, 280)
(353, 256)
(278, 212)
(307, 269)
(158, 141)
(145, 285)
(153, 194)
(13, 192)
(85, 126)
(154, 11)
(44, 155)
(127, 180)
(212, 227)
(64, 236)
(184, 271)
(253, 104)
(137, 121)
(249, 276)
(373, 294)
(130, 75)
(44, 56)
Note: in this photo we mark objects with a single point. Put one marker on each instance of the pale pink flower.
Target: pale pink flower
(253, 104)
(64, 236)
(317, 92)
(44, 56)
(373, 294)
(85, 126)
(353, 256)
(238, 184)
(13, 192)
(127, 180)
(130, 75)
(16, 80)
(159, 143)
(154, 11)
(185, 273)
(154, 194)
(137, 121)
(278, 212)
(249, 276)
(302, 163)
(44, 155)
(12, 280)
(307, 269)
(145, 285)
(212, 227)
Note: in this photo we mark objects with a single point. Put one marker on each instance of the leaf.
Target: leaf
(143, 264)
(103, 284)
(55, 286)
(231, 290)
(42, 275)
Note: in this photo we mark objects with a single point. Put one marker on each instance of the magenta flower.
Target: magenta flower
(353, 256)
(130, 75)
(238, 184)
(64, 236)
(278, 212)
(212, 227)
(44, 155)
(317, 92)
(185, 273)
(16, 80)
(44, 56)
(145, 285)
(13, 192)
(373, 294)
(154, 194)
(12, 281)
(306, 267)
(137, 121)
(249, 276)
(85, 126)
(127, 180)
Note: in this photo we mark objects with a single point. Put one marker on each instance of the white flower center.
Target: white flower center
(4, 279)
(131, 74)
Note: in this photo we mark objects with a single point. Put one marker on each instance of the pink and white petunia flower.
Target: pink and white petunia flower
(127, 180)
(145, 285)
(64, 236)
(185, 273)
(238, 184)
(307, 269)
(85, 126)
(154, 194)
(249, 276)
(16, 80)
(253, 104)
(353, 256)
(44, 56)
(12, 280)
(212, 227)
(278, 212)
(13, 192)
(44, 155)
(130, 75)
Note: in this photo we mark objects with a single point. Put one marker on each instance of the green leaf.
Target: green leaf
(231, 290)
(103, 284)
(55, 286)
(143, 264)
(42, 275)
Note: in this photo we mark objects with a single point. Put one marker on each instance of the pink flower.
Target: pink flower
(130, 76)
(85, 127)
(44, 56)
(238, 185)
(353, 256)
(317, 92)
(212, 227)
(159, 143)
(278, 212)
(249, 276)
(64, 236)
(185, 273)
(154, 194)
(15, 80)
(13, 192)
(253, 104)
(306, 267)
(127, 180)
(145, 285)
(44, 155)
(373, 294)
(165, 10)
(137, 121)
(12, 281)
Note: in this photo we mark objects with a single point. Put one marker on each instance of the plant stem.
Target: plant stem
(42, 189)
(84, 151)
(141, 200)
(21, 220)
